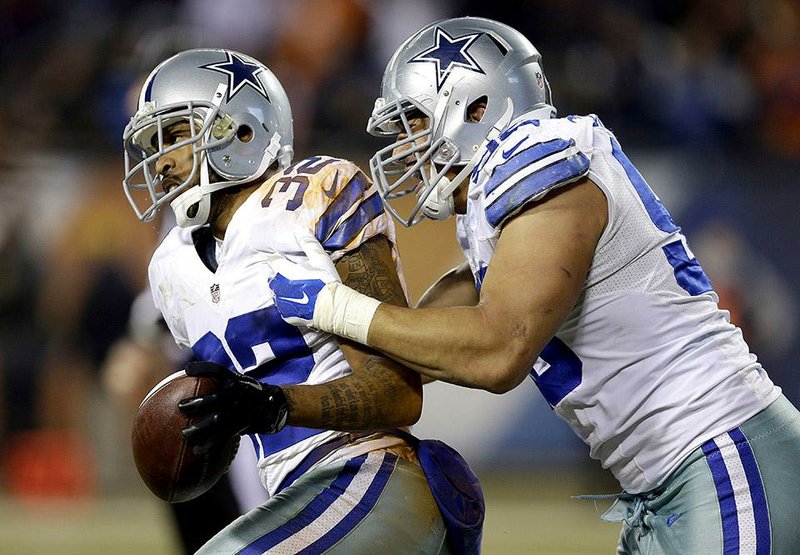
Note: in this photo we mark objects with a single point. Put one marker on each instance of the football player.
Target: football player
(577, 277)
(212, 138)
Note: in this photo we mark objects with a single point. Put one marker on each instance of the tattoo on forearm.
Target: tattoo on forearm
(376, 395)
(356, 404)
(368, 271)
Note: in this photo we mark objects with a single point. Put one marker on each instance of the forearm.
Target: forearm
(489, 348)
(379, 393)
(467, 346)
(379, 396)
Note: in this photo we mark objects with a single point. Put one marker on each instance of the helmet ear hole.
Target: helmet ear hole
(244, 133)
(476, 109)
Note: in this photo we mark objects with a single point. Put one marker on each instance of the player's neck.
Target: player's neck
(225, 203)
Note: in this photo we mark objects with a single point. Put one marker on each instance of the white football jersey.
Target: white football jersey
(646, 367)
(228, 316)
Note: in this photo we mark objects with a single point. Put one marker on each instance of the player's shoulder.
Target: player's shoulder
(168, 260)
(310, 184)
(176, 240)
(329, 175)
(335, 188)
(327, 195)
(529, 131)
(530, 158)
(529, 138)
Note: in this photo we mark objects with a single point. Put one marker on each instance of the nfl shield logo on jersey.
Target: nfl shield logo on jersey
(215, 293)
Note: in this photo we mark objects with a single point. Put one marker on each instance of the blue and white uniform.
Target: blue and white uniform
(227, 315)
(646, 369)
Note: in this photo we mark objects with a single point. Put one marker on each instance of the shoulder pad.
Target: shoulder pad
(530, 159)
(336, 198)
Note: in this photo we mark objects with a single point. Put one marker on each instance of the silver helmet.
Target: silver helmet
(440, 73)
(240, 124)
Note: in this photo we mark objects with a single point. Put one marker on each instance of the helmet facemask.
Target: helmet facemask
(431, 158)
(144, 146)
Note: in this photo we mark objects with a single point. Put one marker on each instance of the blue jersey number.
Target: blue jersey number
(688, 273)
(292, 364)
(264, 328)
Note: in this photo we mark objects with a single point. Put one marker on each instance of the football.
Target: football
(164, 460)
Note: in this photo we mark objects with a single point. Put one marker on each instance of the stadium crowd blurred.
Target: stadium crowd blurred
(707, 92)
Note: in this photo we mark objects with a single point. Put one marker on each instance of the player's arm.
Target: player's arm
(538, 269)
(380, 393)
(455, 288)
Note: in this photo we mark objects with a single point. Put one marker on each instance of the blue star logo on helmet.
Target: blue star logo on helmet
(241, 73)
(449, 53)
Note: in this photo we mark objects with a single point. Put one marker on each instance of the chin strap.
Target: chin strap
(193, 206)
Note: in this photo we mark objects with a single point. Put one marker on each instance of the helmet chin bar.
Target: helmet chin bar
(439, 204)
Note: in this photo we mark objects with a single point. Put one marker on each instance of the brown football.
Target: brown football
(164, 460)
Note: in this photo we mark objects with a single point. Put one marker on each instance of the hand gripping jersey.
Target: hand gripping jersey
(646, 368)
(228, 315)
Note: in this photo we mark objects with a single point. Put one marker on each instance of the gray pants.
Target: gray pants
(738, 493)
(374, 503)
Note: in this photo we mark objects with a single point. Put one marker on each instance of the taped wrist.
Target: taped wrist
(343, 311)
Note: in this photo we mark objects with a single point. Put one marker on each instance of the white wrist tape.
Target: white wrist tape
(345, 312)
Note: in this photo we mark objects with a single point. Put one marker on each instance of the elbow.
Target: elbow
(410, 414)
(511, 357)
(499, 387)
(503, 355)
(503, 373)
(409, 411)
(502, 382)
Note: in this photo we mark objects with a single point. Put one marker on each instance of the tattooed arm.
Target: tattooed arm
(380, 393)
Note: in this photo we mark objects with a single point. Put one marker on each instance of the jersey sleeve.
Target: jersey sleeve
(530, 159)
(345, 209)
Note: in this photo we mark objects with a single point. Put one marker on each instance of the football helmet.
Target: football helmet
(439, 73)
(240, 124)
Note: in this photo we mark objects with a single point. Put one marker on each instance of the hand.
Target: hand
(309, 293)
(239, 405)
(296, 299)
(297, 285)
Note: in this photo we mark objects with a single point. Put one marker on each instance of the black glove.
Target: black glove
(239, 405)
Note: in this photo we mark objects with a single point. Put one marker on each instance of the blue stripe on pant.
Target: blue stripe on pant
(740, 492)
(736, 493)
(323, 502)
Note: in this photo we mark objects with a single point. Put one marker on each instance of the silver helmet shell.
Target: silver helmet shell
(241, 124)
(439, 73)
